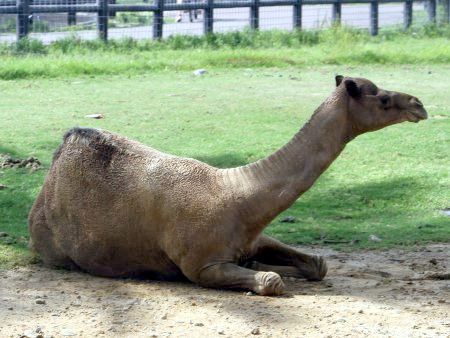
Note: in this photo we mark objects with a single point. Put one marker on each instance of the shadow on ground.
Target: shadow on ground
(333, 212)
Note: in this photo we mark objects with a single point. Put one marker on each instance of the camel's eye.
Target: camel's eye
(384, 100)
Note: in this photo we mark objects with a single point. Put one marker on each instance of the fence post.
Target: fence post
(254, 14)
(112, 13)
(297, 12)
(337, 12)
(22, 23)
(432, 11)
(208, 17)
(374, 18)
(102, 19)
(158, 20)
(71, 15)
(446, 18)
(407, 14)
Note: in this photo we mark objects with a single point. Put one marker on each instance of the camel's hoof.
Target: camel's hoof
(321, 268)
(269, 284)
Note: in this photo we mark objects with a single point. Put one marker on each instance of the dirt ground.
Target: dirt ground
(395, 293)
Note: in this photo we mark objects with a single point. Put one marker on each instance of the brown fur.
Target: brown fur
(114, 207)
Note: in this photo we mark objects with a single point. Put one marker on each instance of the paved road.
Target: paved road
(238, 18)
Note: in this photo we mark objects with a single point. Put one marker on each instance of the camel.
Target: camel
(114, 207)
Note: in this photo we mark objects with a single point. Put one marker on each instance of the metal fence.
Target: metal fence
(50, 20)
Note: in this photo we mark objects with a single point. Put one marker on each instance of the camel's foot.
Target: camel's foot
(318, 269)
(268, 284)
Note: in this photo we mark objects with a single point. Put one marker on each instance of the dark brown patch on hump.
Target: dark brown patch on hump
(104, 150)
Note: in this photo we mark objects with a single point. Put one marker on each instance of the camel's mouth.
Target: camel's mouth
(417, 115)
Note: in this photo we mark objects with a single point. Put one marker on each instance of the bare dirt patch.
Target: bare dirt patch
(395, 293)
(31, 162)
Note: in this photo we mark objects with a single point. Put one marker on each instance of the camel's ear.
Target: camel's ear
(352, 89)
(338, 79)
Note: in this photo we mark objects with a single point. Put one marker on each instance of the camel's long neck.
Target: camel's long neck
(267, 187)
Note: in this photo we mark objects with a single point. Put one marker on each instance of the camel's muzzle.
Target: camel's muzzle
(417, 114)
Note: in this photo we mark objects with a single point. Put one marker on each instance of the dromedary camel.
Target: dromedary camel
(114, 207)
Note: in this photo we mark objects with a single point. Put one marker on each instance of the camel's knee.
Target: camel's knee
(232, 276)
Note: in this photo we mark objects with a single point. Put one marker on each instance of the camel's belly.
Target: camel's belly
(115, 253)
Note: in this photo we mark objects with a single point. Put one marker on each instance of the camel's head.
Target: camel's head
(371, 108)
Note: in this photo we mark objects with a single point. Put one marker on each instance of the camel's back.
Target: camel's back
(112, 162)
(103, 152)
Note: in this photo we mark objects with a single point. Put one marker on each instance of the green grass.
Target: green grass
(337, 46)
(392, 183)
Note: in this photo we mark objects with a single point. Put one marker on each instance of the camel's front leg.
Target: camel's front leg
(232, 276)
(276, 256)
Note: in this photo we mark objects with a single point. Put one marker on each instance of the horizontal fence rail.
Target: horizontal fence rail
(25, 9)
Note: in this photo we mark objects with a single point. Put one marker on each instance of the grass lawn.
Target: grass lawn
(427, 45)
(392, 183)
